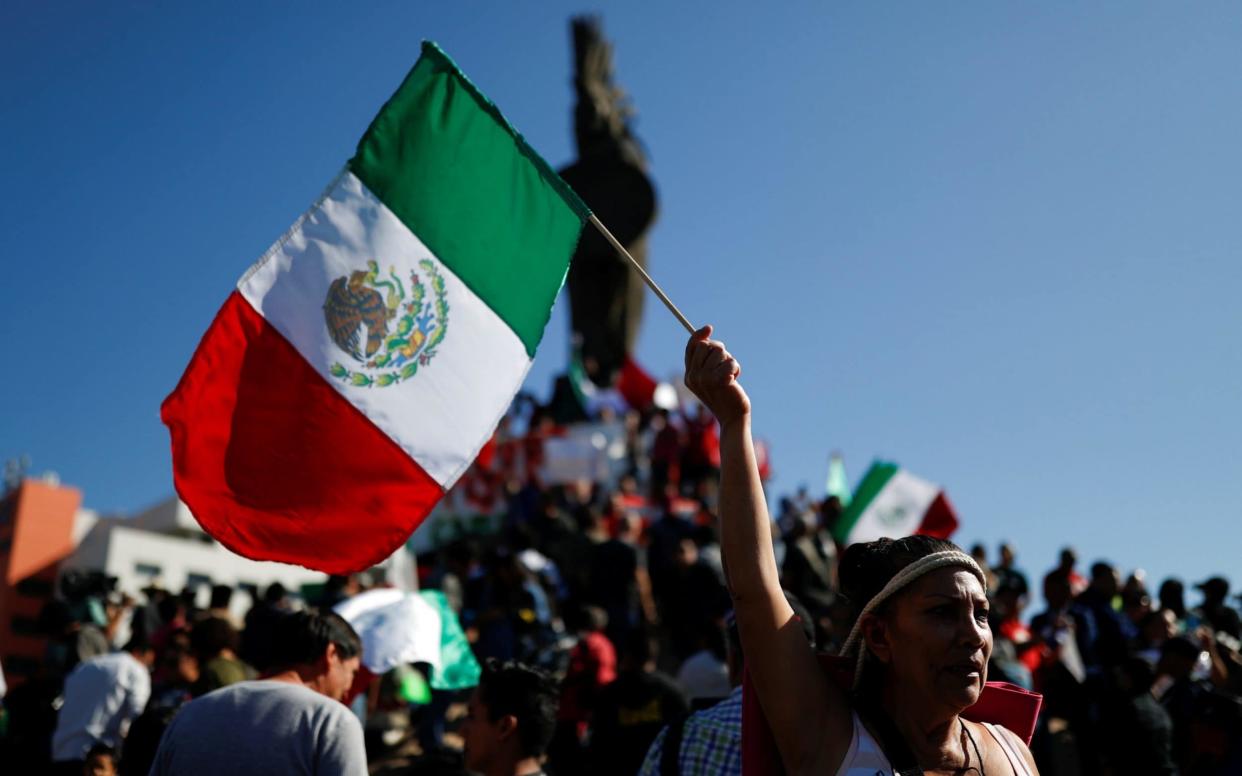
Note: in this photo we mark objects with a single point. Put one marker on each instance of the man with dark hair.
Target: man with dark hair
(221, 599)
(510, 720)
(103, 695)
(290, 722)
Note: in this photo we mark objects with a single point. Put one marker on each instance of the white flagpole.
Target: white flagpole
(647, 278)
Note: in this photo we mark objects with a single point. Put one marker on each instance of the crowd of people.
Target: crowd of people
(602, 617)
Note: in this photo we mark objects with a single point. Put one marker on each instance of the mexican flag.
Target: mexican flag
(364, 360)
(891, 502)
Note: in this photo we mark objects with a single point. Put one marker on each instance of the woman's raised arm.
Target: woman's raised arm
(809, 716)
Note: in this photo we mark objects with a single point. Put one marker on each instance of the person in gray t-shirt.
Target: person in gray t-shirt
(289, 723)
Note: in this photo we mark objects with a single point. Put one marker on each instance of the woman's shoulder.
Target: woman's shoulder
(1001, 748)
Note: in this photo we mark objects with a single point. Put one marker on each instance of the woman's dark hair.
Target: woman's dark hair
(302, 637)
(529, 694)
(867, 567)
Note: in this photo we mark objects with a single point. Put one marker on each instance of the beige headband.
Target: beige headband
(902, 578)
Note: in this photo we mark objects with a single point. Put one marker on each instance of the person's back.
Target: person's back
(262, 727)
(290, 723)
(632, 710)
(102, 696)
(614, 586)
(710, 742)
(630, 713)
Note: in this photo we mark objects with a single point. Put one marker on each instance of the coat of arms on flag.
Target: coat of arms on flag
(359, 318)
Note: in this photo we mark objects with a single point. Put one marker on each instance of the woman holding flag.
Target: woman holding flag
(921, 642)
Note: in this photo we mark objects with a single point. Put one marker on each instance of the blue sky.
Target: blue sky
(996, 243)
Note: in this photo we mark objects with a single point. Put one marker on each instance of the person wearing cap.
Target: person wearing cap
(921, 641)
(1215, 610)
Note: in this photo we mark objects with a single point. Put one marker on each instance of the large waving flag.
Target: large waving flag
(891, 502)
(362, 363)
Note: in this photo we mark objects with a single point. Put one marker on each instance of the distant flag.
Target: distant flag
(891, 502)
(360, 365)
(399, 627)
(396, 627)
(838, 484)
(584, 390)
(638, 387)
(458, 667)
(633, 385)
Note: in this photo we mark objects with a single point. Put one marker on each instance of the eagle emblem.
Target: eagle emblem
(893, 516)
(387, 333)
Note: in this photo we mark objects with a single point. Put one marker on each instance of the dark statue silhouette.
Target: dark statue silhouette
(605, 294)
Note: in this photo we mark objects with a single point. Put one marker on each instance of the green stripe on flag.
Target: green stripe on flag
(872, 483)
(447, 163)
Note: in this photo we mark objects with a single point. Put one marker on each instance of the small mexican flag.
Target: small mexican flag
(891, 502)
(361, 364)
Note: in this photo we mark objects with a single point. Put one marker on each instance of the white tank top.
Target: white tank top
(865, 757)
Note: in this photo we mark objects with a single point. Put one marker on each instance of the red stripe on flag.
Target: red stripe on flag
(276, 465)
(940, 520)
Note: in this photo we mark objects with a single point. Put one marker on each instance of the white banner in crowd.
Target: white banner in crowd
(588, 451)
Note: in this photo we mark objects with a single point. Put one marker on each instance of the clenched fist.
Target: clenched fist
(711, 374)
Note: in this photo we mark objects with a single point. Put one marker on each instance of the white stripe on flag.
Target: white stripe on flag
(897, 510)
(444, 413)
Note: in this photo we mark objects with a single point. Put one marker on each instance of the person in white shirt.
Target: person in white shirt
(102, 696)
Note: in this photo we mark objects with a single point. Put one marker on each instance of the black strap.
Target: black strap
(669, 753)
(892, 742)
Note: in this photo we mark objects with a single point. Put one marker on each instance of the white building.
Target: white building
(165, 546)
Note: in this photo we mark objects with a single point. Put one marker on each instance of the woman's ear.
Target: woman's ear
(878, 637)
